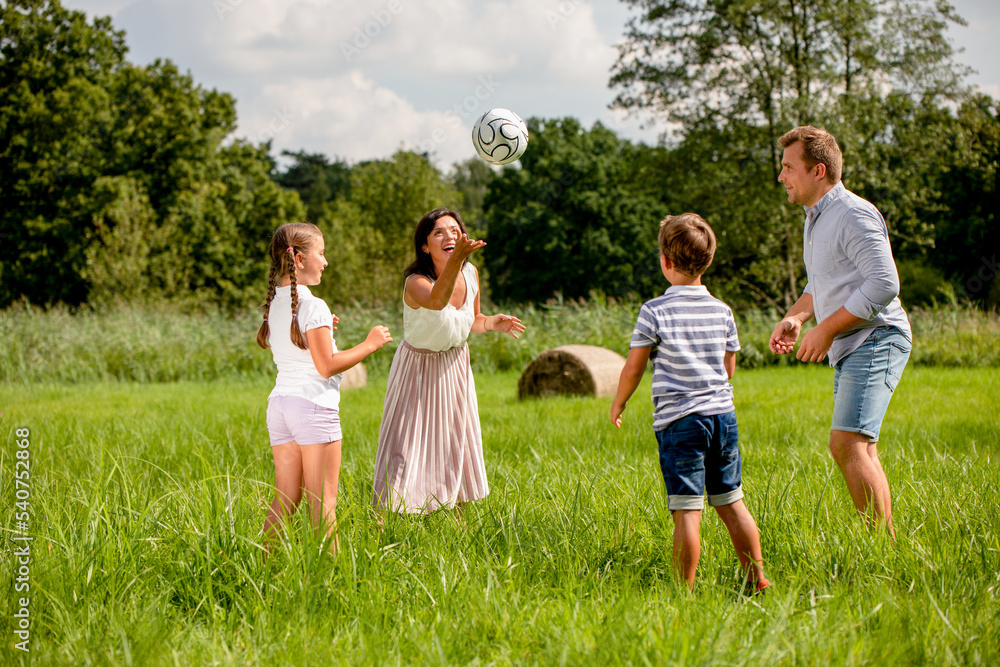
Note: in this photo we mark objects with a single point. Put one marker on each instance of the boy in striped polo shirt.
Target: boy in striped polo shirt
(691, 338)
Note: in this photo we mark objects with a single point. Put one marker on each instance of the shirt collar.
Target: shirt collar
(688, 290)
(287, 289)
(825, 200)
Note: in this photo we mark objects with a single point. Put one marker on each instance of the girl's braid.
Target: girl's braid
(284, 242)
(265, 330)
(296, 334)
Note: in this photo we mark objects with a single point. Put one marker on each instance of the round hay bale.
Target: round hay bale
(354, 377)
(578, 370)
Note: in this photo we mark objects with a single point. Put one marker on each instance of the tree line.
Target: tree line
(120, 182)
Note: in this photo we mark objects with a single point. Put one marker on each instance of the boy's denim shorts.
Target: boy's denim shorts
(864, 380)
(699, 453)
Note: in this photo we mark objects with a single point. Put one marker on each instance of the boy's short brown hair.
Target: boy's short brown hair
(688, 242)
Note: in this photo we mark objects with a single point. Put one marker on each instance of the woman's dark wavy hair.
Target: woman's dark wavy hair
(423, 265)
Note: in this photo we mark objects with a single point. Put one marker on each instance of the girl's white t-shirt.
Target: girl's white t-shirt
(297, 374)
(440, 330)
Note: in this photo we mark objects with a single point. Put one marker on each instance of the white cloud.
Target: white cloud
(582, 49)
(359, 80)
(99, 7)
(350, 117)
(991, 89)
(431, 39)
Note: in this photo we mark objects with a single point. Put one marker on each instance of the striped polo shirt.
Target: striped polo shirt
(690, 331)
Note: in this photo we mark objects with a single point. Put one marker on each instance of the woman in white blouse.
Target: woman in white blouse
(430, 448)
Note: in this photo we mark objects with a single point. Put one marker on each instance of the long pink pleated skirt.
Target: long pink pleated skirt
(430, 447)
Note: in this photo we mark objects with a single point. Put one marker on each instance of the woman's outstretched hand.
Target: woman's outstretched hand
(505, 324)
(464, 246)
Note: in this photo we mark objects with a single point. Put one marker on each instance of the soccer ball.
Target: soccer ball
(500, 136)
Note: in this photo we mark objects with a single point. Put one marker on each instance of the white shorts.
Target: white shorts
(292, 418)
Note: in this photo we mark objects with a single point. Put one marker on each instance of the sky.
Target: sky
(360, 80)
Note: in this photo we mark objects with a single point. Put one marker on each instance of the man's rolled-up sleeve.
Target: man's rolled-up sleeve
(866, 243)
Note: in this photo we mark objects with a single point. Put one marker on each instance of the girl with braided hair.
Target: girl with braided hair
(303, 418)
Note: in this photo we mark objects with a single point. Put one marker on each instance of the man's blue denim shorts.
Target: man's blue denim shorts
(864, 380)
(699, 453)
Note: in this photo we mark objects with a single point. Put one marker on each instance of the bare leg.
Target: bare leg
(866, 481)
(746, 540)
(886, 494)
(687, 543)
(321, 474)
(288, 492)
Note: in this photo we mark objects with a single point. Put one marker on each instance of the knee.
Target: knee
(733, 513)
(844, 446)
(286, 458)
(840, 452)
(686, 519)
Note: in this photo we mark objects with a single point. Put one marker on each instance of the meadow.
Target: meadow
(147, 500)
(164, 343)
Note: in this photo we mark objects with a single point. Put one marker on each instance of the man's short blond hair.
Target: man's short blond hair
(818, 147)
(688, 242)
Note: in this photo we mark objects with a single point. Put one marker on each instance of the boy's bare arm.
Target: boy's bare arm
(729, 361)
(635, 367)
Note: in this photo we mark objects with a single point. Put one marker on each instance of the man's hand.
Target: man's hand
(784, 336)
(815, 345)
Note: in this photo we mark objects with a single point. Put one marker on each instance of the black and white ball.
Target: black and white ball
(500, 136)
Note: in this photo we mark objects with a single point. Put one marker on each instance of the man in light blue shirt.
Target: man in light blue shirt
(853, 292)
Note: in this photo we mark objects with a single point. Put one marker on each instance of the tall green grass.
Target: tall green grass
(148, 499)
(146, 345)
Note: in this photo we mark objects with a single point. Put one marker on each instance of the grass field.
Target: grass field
(161, 344)
(146, 502)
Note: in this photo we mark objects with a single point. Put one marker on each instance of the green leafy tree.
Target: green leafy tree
(217, 231)
(780, 63)
(370, 233)
(56, 74)
(125, 236)
(736, 74)
(472, 179)
(104, 162)
(318, 181)
(965, 218)
(724, 175)
(573, 219)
